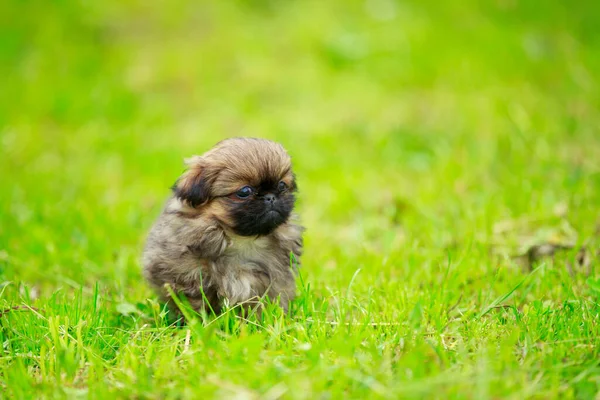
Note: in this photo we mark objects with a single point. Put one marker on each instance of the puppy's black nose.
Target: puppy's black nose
(270, 198)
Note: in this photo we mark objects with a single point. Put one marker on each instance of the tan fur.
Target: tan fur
(193, 247)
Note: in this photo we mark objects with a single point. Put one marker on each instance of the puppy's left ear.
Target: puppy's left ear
(193, 186)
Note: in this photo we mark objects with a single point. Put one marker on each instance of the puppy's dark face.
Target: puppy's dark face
(259, 209)
(247, 185)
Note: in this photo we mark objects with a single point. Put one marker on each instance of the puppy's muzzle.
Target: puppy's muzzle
(270, 199)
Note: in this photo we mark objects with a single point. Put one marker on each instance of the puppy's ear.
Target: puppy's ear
(194, 185)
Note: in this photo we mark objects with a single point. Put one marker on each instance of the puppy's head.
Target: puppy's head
(245, 184)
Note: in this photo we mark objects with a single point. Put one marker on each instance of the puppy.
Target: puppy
(227, 234)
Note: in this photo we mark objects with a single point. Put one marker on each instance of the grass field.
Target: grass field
(440, 147)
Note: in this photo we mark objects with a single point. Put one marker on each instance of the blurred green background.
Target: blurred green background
(416, 127)
(469, 112)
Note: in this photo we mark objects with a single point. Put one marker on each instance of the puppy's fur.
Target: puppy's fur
(216, 245)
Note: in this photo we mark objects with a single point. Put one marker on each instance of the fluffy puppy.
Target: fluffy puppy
(226, 235)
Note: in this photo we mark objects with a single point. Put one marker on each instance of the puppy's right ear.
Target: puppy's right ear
(193, 186)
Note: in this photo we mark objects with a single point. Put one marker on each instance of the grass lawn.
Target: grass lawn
(440, 146)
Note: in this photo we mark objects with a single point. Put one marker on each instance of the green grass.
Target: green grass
(433, 143)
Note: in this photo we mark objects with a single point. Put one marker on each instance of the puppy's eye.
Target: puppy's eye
(282, 186)
(244, 192)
